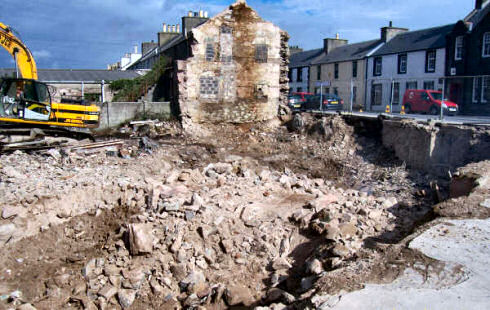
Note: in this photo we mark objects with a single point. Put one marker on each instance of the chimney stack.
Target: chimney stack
(388, 33)
(330, 44)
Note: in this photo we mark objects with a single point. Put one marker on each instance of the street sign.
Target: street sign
(323, 83)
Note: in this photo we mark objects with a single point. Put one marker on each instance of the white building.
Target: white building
(126, 61)
(407, 60)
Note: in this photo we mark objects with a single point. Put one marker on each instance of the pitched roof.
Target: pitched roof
(304, 59)
(348, 52)
(77, 75)
(479, 15)
(430, 38)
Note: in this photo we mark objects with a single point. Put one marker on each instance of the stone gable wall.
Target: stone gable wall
(238, 69)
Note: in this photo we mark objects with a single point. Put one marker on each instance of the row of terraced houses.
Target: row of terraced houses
(373, 74)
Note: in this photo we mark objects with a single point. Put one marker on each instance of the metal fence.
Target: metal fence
(471, 94)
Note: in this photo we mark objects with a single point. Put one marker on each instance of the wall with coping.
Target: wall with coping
(114, 114)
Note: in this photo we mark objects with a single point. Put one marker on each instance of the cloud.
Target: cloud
(91, 34)
(41, 54)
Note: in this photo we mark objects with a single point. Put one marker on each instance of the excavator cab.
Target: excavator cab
(24, 99)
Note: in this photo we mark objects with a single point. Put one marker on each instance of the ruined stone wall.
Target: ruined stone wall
(436, 149)
(238, 69)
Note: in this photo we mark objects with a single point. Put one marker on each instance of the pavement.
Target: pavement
(460, 281)
(457, 120)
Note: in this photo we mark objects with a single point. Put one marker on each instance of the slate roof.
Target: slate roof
(348, 52)
(430, 38)
(478, 15)
(304, 59)
(77, 75)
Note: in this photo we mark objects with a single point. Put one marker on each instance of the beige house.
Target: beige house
(341, 70)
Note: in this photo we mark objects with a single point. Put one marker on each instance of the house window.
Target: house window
(299, 89)
(354, 69)
(319, 73)
(429, 85)
(290, 75)
(430, 61)
(210, 52)
(486, 45)
(378, 65)
(402, 63)
(411, 85)
(458, 50)
(336, 91)
(299, 75)
(327, 90)
(261, 53)
(396, 93)
(485, 89)
(354, 93)
(476, 89)
(376, 94)
(481, 89)
(336, 71)
(317, 90)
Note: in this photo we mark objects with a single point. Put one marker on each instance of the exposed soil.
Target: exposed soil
(239, 216)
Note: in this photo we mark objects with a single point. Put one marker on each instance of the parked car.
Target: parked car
(427, 101)
(330, 102)
(302, 95)
(294, 103)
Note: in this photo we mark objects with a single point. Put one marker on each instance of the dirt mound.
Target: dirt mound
(245, 215)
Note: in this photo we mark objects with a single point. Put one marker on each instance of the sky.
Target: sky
(90, 34)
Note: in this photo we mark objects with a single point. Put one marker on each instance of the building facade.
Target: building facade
(342, 71)
(406, 60)
(299, 70)
(468, 61)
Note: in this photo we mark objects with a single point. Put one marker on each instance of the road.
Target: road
(458, 120)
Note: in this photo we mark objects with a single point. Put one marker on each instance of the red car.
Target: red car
(427, 101)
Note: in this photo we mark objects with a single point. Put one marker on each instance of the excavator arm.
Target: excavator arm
(22, 55)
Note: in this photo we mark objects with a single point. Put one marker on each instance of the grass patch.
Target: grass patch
(131, 90)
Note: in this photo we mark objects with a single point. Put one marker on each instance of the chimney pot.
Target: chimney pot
(337, 36)
(391, 23)
(201, 13)
(164, 27)
(190, 13)
(178, 27)
(206, 14)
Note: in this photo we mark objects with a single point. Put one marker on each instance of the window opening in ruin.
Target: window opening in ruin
(226, 30)
(210, 52)
(208, 86)
(261, 53)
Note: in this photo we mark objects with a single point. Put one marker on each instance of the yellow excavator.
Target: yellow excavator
(26, 102)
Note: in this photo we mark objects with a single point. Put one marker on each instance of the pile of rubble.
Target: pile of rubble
(247, 219)
(222, 234)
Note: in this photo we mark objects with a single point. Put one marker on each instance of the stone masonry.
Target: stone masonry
(238, 69)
